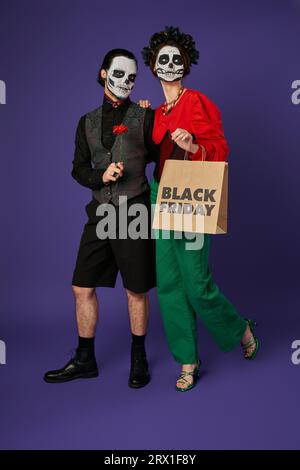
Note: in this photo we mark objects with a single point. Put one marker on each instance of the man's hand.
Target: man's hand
(113, 172)
(144, 104)
(184, 140)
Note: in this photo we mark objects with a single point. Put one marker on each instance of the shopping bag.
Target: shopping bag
(192, 197)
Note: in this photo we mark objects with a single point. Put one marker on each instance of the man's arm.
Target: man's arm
(153, 149)
(82, 171)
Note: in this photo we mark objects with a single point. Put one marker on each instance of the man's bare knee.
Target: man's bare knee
(83, 293)
(135, 296)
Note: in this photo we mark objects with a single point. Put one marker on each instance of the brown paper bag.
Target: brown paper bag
(192, 197)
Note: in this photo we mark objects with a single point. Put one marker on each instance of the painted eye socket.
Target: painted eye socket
(118, 73)
(132, 77)
(177, 59)
(164, 59)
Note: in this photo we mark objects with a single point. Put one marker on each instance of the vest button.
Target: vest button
(108, 153)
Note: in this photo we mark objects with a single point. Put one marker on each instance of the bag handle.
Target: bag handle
(203, 153)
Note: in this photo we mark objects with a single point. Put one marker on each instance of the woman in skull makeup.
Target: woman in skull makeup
(188, 123)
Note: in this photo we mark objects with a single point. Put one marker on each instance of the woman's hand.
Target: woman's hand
(184, 140)
(144, 104)
(113, 172)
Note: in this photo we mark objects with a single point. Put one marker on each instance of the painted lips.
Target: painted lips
(123, 89)
(169, 73)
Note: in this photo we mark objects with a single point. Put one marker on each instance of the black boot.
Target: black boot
(81, 366)
(139, 373)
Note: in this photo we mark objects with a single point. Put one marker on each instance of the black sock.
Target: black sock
(86, 343)
(138, 340)
(86, 349)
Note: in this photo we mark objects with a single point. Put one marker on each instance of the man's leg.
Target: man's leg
(95, 266)
(86, 310)
(138, 308)
(86, 307)
(135, 258)
(83, 364)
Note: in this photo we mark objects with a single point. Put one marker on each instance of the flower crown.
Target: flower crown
(171, 34)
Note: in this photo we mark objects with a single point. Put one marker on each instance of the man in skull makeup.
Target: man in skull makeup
(189, 124)
(112, 165)
(121, 76)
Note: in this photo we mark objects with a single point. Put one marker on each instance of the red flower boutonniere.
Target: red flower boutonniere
(121, 129)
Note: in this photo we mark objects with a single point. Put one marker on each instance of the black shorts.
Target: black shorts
(99, 261)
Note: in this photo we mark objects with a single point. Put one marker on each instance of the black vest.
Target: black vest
(128, 148)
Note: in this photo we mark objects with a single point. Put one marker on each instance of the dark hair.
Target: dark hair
(109, 58)
(174, 37)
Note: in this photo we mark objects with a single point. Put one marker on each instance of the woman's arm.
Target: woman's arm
(208, 131)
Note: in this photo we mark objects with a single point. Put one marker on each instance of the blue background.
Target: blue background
(50, 52)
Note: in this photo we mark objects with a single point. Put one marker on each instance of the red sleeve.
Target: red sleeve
(208, 131)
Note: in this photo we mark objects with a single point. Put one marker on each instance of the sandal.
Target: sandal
(251, 342)
(195, 374)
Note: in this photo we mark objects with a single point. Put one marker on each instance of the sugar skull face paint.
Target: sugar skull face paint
(169, 64)
(121, 76)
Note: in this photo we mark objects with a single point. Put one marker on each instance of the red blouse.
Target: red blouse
(198, 115)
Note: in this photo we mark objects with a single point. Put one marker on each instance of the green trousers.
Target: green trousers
(185, 289)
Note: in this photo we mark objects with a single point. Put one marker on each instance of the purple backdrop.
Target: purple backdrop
(49, 55)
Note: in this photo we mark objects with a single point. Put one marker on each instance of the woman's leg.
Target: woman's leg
(177, 313)
(178, 316)
(216, 311)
